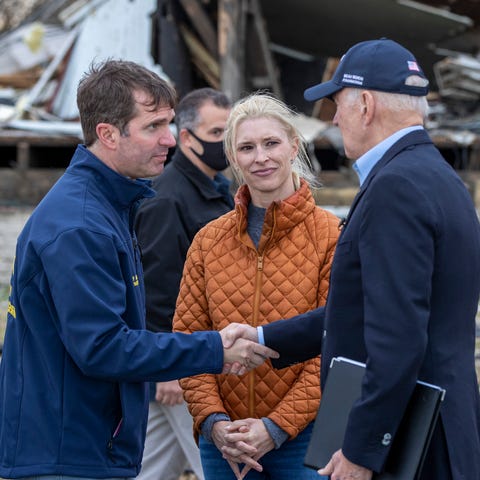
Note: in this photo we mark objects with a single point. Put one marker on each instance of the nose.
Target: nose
(261, 155)
(168, 139)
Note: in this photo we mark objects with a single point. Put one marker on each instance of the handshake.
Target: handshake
(241, 350)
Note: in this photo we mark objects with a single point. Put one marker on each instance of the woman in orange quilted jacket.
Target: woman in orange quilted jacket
(269, 258)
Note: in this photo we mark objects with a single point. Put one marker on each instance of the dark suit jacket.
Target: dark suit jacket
(403, 297)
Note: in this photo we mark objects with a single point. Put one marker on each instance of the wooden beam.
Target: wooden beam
(262, 34)
(202, 24)
(231, 46)
(323, 109)
(202, 58)
(23, 79)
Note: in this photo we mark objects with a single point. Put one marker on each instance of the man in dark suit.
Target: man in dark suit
(405, 278)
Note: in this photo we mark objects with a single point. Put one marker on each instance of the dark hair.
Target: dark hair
(105, 94)
(186, 113)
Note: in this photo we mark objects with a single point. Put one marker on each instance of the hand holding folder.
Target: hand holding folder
(411, 441)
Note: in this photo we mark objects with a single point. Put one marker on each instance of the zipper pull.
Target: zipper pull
(260, 263)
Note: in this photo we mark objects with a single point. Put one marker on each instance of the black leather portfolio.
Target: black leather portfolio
(409, 446)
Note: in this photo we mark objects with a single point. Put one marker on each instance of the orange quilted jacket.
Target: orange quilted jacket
(226, 279)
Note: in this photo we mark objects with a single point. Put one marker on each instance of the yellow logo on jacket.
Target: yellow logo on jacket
(135, 280)
(11, 310)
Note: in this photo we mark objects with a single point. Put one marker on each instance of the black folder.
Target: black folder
(409, 446)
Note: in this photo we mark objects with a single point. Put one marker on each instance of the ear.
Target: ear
(295, 144)
(108, 135)
(183, 136)
(368, 107)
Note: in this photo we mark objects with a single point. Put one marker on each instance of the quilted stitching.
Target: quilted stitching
(220, 275)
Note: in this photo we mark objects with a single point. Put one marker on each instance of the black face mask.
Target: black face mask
(213, 154)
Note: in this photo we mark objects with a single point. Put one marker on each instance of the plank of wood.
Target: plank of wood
(202, 23)
(201, 57)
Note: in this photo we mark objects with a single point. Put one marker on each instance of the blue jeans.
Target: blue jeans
(68, 477)
(286, 463)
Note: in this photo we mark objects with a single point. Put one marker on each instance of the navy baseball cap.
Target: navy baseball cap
(373, 65)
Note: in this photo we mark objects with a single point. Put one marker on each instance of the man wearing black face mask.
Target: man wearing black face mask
(190, 192)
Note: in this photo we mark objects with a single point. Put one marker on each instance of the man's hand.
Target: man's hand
(169, 393)
(241, 351)
(238, 330)
(339, 468)
(245, 355)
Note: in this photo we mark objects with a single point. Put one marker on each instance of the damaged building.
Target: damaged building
(238, 46)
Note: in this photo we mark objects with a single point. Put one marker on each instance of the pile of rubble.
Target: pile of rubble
(454, 118)
(458, 79)
(41, 63)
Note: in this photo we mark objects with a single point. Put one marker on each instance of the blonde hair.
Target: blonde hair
(264, 105)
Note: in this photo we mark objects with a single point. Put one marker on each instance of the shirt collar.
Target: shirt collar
(368, 160)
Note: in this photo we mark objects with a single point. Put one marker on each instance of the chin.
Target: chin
(157, 171)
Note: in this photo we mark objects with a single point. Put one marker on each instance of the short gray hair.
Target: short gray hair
(399, 102)
(186, 112)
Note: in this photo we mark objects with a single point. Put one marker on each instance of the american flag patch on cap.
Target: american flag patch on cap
(413, 66)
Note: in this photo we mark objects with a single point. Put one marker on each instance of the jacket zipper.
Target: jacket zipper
(137, 254)
(115, 434)
(256, 306)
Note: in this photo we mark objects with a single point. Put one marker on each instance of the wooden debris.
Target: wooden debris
(23, 79)
(201, 57)
(458, 77)
(202, 23)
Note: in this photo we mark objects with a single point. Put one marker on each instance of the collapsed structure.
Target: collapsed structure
(236, 45)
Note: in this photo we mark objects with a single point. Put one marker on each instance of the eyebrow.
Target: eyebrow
(163, 118)
(265, 139)
(215, 127)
